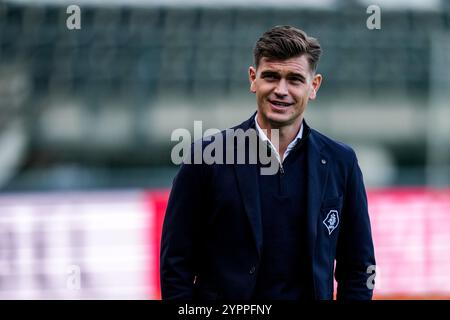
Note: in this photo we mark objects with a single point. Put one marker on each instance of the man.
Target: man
(231, 232)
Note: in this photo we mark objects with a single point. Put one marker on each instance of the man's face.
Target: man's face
(283, 88)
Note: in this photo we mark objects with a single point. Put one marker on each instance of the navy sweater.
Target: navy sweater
(283, 271)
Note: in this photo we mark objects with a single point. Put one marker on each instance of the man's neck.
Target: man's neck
(286, 134)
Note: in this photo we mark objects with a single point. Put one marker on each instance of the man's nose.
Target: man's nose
(281, 89)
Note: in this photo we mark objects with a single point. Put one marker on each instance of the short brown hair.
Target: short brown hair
(284, 42)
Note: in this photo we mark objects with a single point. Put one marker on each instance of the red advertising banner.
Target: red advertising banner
(106, 245)
(411, 233)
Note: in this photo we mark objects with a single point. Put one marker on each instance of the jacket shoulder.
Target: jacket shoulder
(338, 149)
(223, 134)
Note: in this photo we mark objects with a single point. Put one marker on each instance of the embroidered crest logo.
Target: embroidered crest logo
(331, 221)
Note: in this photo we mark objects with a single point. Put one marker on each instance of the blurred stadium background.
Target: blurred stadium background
(86, 117)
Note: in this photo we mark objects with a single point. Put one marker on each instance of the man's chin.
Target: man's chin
(279, 120)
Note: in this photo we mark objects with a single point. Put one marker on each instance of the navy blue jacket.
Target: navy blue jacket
(212, 233)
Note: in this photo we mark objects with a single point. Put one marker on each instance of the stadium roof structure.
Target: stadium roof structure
(324, 4)
(428, 5)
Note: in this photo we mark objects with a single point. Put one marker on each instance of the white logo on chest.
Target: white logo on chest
(331, 221)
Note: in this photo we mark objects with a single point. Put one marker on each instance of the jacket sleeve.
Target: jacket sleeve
(355, 252)
(179, 236)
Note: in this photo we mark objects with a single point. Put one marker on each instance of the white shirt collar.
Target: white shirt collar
(291, 145)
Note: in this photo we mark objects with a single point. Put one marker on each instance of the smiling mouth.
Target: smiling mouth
(280, 103)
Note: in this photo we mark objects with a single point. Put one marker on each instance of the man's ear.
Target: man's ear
(317, 80)
(252, 78)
